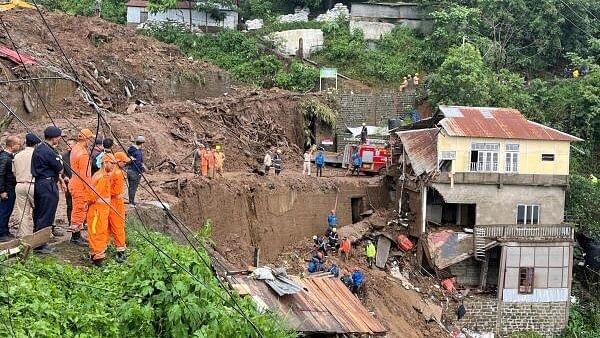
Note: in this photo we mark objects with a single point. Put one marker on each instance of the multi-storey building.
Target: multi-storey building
(484, 190)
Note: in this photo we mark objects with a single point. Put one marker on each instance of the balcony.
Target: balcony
(526, 231)
(502, 179)
(489, 167)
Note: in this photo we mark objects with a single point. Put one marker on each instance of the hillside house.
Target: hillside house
(137, 13)
(484, 190)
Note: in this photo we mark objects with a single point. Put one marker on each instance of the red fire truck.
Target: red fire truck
(374, 158)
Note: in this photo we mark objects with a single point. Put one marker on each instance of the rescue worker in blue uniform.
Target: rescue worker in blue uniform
(46, 168)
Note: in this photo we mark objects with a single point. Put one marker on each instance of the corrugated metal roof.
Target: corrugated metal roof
(421, 148)
(325, 305)
(490, 122)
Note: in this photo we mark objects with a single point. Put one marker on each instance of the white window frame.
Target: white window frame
(528, 219)
(511, 159)
(488, 155)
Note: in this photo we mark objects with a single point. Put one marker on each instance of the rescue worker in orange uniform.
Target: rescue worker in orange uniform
(210, 159)
(116, 216)
(99, 201)
(80, 167)
(202, 155)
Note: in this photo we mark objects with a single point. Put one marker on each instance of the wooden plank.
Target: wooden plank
(241, 289)
(353, 303)
(356, 310)
(9, 245)
(341, 307)
(340, 314)
(38, 238)
(383, 251)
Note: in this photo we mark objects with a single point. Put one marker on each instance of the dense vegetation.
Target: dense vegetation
(148, 296)
(112, 10)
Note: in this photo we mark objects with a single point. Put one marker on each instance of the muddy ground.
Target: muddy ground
(187, 101)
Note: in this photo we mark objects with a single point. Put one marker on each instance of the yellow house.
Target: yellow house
(501, 140)
(483, 190)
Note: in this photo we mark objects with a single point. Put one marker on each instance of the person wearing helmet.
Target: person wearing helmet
(358, 279)
(334, 240)
(219, 160)
(331, 220)
(371, 252)
(99, 200)
(116, 216)
(78, 185)
(363, 134)
(277, 162)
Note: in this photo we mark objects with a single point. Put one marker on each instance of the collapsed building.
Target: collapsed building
(484, 191)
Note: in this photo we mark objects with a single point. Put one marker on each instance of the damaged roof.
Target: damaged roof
(421, 148)
(491, 122)
(325, 305)
(445, 248)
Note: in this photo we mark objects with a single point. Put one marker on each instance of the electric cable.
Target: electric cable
(168, 212)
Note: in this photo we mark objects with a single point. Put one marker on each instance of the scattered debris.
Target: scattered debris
(18, 58)
(254, 24)
(300, 15)
(339, 10)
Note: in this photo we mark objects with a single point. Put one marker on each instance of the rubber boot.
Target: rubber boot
(78, 240)
(120, 256)
(97, 262)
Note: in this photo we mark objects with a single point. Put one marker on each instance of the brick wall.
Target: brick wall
(481, 314)
(372, 109)
(467, 272)
(547, 319)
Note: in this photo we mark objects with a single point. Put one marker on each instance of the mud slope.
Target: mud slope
(108, 58)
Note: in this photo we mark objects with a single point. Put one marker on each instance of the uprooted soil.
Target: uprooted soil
(115, 62)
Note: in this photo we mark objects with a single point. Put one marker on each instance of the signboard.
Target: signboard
(328, 73)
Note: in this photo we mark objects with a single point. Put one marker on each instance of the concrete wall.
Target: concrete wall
(373, 109)
(499, 206)
(199, 19)
(376, 19)
(530, 154)
(288, 41)
(372, 30)
(483, 314)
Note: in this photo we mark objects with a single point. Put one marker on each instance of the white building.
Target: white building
(137, 13)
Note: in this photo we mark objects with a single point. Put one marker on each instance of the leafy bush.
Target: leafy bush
(239, 54)
(582, 323)
(148, 296)
(112, 10)
(583, 202)
(298, 77)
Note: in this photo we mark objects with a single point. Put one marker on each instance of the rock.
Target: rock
(300, 15)
(254, 24)
(339, 10)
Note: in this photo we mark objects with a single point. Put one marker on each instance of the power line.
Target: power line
(26, 70)
(237, 307)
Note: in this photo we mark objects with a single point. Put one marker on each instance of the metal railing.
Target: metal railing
(484, 166)
(529, 231)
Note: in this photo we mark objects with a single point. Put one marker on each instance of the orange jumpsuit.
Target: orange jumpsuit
(210, 158)
(116, 216)
(98, 212)
(80, 164)
(204, 161)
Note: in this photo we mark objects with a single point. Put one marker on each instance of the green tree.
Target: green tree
(461, 79)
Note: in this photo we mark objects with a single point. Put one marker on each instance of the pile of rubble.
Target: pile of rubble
(255, 24)
(300, 15)
(338, 11)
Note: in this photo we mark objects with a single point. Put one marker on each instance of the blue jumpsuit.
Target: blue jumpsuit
(46, 166)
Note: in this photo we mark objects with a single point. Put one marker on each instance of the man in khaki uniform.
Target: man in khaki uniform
(24, 189)
(219, 159)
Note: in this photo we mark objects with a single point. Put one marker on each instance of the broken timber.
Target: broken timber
(12, 248)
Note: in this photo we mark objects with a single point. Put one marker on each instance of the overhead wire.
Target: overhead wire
(177, 222)
(154, 245)
(29, 76)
